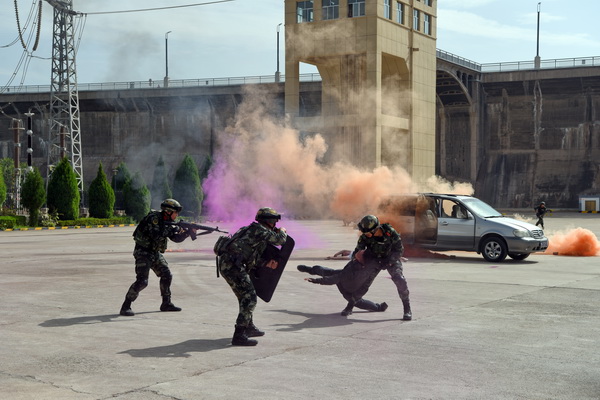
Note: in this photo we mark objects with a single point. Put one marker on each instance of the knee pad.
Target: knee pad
(141, 284)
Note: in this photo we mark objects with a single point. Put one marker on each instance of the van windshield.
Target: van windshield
(481, 208)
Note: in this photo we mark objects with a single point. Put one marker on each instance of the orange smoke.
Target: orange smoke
(575, 242)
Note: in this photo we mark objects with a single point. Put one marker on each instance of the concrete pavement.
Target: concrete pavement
(514, 330)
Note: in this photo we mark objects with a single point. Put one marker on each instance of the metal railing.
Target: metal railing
(173, 83)
(519, 65)
(312, 77)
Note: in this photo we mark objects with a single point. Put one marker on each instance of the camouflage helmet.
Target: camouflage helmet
(368, 223)
(171, 205)
(267, 214)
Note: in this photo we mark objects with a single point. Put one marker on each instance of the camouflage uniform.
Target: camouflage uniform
(241, 256)
(386, 253)
(150, 238)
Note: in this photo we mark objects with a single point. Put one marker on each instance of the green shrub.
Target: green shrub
(2, 189)
(101, 196)
(8, 222)
(63, 192)
(187, 189)
(137, 197)
(96, 221)
(33, 195)
(160, 184)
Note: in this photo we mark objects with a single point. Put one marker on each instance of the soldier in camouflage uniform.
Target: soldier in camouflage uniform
(239, 258)
(383, 247)
(150, 238)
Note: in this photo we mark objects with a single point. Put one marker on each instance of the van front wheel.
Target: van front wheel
(519, 256)
(494, 249)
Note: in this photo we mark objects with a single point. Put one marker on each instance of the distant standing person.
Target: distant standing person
(540, 211)
(150, 238)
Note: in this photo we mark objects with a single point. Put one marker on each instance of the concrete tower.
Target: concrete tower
(377, 61)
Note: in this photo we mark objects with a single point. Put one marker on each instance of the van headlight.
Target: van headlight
(521, 233)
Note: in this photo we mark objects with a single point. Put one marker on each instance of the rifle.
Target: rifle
(191, 229)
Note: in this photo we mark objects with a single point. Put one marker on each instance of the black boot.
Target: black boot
(126, 309)
(305, 268)
(167, 305)
(407, 312)
(382, 306)
(253, 331)
(240, 338)
(348, 310)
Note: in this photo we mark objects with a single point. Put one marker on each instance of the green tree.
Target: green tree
(203, 172)
(160, 184)
(101, 196)
(2, 189)
(137, 197)
(187, 188)
(63, 193)
(118, 183)
(33, 195)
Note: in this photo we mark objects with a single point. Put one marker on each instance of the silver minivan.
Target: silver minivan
(446, 222)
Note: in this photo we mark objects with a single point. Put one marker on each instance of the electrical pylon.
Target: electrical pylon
(64, 134)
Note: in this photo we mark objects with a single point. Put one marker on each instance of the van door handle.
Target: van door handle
(444, 223)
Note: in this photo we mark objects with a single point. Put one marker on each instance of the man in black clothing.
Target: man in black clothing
(540, 211)
(353, 282)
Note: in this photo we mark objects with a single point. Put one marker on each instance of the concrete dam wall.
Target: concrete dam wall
(528, 136)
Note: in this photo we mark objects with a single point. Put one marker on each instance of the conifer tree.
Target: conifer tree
(2, 188)
(118, 183)
(63, 193)
(33, 195)
(101, 196)
(137, 197)
(186, 187)
(160, 184)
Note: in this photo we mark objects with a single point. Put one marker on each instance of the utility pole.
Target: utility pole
(64, 96)
(537, 62)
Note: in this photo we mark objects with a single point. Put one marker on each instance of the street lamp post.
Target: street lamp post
(166, 80)
(277, 73)
(537, 62)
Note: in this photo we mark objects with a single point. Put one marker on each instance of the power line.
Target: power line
(158, 8)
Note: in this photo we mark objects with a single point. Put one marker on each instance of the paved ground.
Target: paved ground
(514, 330)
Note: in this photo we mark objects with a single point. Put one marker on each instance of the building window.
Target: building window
(387, 9)
(356, 8)
(400, 13)
(427, 23)
(428, 2)
(331, 9)
(304, 11)
(416, 20)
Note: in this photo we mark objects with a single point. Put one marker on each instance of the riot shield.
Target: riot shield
(265, 279)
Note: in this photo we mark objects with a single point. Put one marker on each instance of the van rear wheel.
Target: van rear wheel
(519, 256)
(493, 249)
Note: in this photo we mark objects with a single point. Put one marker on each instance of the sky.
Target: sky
(239, 37)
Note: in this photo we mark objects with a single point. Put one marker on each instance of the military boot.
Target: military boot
(253, 331)
(305, 268)
(382, 306)
(407, 312)
(126, 309)
(240, 338)
(167, 305)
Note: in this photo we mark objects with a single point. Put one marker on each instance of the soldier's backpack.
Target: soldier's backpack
(221, 244)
